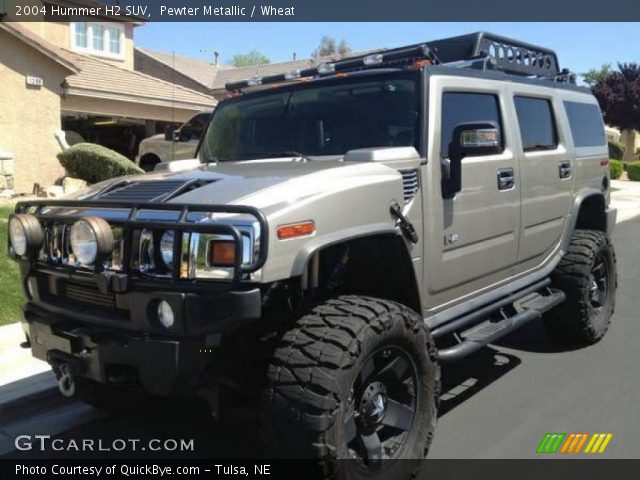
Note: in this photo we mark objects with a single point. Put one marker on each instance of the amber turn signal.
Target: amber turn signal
(222, 253)
(294, 230)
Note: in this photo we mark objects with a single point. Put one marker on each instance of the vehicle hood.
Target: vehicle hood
(154, 138)
(270, 185)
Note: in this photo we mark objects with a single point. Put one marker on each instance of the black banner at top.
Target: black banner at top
(320, 10)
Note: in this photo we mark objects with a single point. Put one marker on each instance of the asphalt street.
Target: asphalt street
(497, 404)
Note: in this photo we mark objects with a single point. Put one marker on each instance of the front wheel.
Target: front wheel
(587, 275)
(355, 379)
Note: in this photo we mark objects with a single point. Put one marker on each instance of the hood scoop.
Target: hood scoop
(150, 191)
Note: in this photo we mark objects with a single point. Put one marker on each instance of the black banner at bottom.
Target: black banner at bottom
(307, 469)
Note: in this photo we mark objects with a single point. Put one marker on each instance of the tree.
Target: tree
(618, 94)
(254, 57)
(329, 46)
(592, 76)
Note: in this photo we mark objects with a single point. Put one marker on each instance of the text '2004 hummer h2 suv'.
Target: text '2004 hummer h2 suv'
(344, 230)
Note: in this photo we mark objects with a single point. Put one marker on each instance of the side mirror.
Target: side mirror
(170, 134)
(468, 140)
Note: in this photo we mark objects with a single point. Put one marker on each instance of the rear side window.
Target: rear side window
(537, 126)
(587, 127)
(466, 107)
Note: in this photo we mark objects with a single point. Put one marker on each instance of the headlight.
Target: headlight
(25, 234)
(166, 248)
(91, 240)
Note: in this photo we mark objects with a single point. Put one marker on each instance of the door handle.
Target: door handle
(506, 179)
(564, 169)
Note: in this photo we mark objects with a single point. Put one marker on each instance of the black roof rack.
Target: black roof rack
(479, 50)
(508, 55)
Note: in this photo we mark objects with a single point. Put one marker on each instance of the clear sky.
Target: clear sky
(580, 46)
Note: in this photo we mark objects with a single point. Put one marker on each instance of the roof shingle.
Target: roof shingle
(99, 78)
(201, 71)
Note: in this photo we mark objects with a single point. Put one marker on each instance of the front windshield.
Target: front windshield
(316, 119)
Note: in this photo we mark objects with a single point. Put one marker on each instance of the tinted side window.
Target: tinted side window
(587, 127)
(196, 126)
(466, 107)
(537, 126)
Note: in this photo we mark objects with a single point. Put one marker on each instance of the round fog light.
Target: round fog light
(25, 234)
(91, 240)
(165, 314)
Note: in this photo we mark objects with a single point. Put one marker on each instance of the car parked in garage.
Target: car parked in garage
(177, 144)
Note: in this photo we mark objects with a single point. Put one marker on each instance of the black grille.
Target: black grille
(142, 192)
(89, 296)
(409, 184)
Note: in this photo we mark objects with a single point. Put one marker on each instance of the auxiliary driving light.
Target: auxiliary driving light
(165, 314)
(91, 240)
(25, 234)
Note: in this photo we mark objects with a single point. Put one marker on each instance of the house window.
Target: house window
(98, 39)
(81, 35)
(115, 47)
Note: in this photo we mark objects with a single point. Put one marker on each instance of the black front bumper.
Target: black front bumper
(134, 350)
(104, 324)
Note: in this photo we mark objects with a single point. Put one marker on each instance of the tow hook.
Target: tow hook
(66, 382)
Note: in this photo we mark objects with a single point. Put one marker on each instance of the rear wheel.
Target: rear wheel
(587, 275)
(355, 379)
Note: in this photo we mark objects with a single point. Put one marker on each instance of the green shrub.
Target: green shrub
(615, 166)
(638, 153)
(633, 170)
(616, 150)
(94, 163)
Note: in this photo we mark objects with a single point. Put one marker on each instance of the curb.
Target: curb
(20, 398)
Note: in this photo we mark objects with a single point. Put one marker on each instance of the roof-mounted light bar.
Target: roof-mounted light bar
(477, 50)
(404, 55)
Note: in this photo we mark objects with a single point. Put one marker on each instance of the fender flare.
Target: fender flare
(575, 211)
(319, 243)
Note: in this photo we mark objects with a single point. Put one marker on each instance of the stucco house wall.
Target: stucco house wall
(30, 116)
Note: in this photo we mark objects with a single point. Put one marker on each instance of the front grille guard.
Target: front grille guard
(181, 225)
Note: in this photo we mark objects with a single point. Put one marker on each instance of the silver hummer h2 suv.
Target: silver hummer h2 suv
(344, 230)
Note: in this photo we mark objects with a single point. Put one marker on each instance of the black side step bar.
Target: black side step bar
(529, 305)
